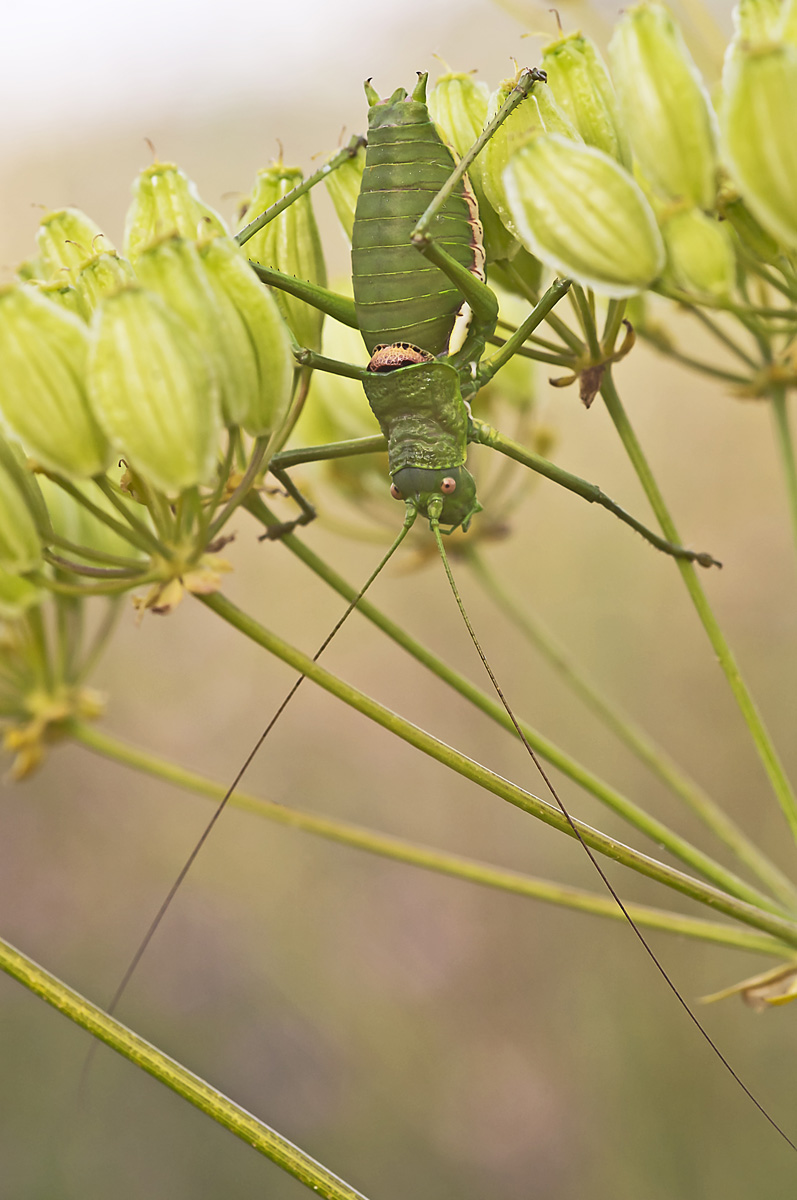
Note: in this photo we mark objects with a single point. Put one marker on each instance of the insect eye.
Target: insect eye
(395, 493)
(448, 485)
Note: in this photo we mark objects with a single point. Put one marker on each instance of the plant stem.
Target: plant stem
(786, 447)
(648, 751)
(602, 791)
(357, 837)
(175, 1076)
(721, 901)
(763, 742)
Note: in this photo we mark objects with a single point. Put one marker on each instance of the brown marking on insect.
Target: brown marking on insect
(399, 354)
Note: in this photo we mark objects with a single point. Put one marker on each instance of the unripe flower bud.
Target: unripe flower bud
(252, 305)
(523, 122)
(66, 239)
(101, 276)
(173, 269)
(788, 27)
(20, 550)
(580, 82)
(458, 105)
(700, 255)
(154, 390)
(166, 201)
(291, 244)
(760, 95)
(343, 185)
(65, 296)
(582, 214)
(43, 354)
(757, 21)
(664, 106)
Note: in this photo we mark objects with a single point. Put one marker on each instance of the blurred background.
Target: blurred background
(420, 1036)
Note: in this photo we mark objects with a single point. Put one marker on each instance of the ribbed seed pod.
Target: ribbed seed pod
(758, 21)
(290, 243)
(66, 238)
(580, 81)
(759, 98)
(788, 26)
(581, 213)
(43, 401)
(700, 255)
(343, 185)
(173, 269)
(166, 201)
(245, 300)
(65, 296)
(458, 105)
(664, 106)
(101, 276)
(154, 391)
(20, 550)
(523, 122)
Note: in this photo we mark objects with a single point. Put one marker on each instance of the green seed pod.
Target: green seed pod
(758, 21)
(31, 269)
(174, 270)
(166, 201)
(523, 122)
(66, 239)
(581, 213)
(64, 295)
(580, 82)
(20, 550)
(343, 186)
(154, 390)
(17, 595)
(290, 243)
(760, 94)
(43, 401)
(458, 105)
(700, 254)
(252, 310)
(101, 276)
(664, 106)
(788, 26)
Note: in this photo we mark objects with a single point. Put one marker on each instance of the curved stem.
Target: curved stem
(720, 901)
(637, 740)
(758, 731)
(175, 1076)
(457, 866)
(632, 813)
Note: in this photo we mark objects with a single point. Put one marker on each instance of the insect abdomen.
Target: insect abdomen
(399, 296)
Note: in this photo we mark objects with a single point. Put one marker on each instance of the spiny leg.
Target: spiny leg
(485, 435)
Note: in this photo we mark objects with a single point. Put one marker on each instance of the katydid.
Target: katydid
(419, 281)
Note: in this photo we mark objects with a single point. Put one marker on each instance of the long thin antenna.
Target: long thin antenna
(434, 522)
(409, 519)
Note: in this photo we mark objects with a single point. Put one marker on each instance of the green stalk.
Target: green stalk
(758, 732)
(697, 364)
(786, 447)
(586, 320)
(397, 849)
(660, 833)
(144, 538)
(171, 1073)
(637, 740)
(723, 337)
(749, 914)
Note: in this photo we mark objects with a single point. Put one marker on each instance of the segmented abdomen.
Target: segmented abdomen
(399, 295)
